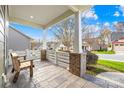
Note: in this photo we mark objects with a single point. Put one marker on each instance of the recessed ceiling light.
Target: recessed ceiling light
(31, 17)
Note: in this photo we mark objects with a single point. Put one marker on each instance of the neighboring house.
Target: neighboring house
(85, 46)
(119, 26)
(53, 45)
(116, 35)
(118, 45)
(91, 44)
(36, 45)
(112, 38)
(18, 40)
(118, 41)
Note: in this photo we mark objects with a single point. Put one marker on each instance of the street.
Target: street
(114, 57)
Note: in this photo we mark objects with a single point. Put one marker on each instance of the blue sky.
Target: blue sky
(99, 15)
(105, 13)
(35, 33)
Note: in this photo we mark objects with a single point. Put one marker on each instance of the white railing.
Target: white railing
(59, 58)
(63, 59)
(36, 53)
(29, 53)
(51, 56)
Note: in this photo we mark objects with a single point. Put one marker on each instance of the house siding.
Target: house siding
(116, 35)
(119, 46)
(17, 41)
(3, 41)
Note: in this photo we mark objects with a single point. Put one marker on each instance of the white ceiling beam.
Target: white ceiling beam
(59, 18)
(83, 7)
(73, 8)
(76, 8)
(25, 22)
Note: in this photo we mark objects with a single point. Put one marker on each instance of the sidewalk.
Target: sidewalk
(113, 77)
(106, 81)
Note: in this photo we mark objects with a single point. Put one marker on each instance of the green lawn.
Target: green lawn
(105, 66)
(112, 64)
(103, 52)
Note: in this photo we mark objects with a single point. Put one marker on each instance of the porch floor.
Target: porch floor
(47, 75)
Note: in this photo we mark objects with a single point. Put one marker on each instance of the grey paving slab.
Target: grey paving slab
(105, 82)
(47, 75)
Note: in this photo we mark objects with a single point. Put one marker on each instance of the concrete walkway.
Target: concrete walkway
(113, 77)
(113, 57)
(107, 79)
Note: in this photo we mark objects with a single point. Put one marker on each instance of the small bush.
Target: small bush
(103, 52)
(91, 58)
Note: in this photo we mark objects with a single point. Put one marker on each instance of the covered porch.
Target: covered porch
(51, 68)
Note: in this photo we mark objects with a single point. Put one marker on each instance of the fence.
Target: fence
(58, 58)
(51, 56)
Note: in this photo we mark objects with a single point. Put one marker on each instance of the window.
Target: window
(116, 44)
(121, 44)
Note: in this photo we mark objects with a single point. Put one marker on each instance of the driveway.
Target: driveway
(114, 57)
(117, 78)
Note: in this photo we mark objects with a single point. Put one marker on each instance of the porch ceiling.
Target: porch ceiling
(44, 15)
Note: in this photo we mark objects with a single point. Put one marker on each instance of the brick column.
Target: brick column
(77, 64)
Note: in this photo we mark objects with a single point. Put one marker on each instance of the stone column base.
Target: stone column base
(77, 64)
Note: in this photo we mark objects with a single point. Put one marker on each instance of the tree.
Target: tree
(64, 32)
(89, 34)
(119, 26)
(106, 36)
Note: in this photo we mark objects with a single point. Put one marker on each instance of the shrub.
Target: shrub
(91, 58)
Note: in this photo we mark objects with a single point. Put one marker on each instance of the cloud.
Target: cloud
(115, 22)
(97, 28)
(116, 14)
(97, 23)
(122, 9)
(95, 16)
(106, 24)
(91, 14)
(94, 28)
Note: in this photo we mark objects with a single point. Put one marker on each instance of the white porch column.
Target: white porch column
(78, 33)
(45, 39)
(78, 44)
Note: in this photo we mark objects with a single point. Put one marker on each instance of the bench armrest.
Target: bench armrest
(25, 60)
(24, 56)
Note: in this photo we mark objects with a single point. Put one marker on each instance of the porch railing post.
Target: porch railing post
(43, 55)
(44, 39)
(83, 64)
